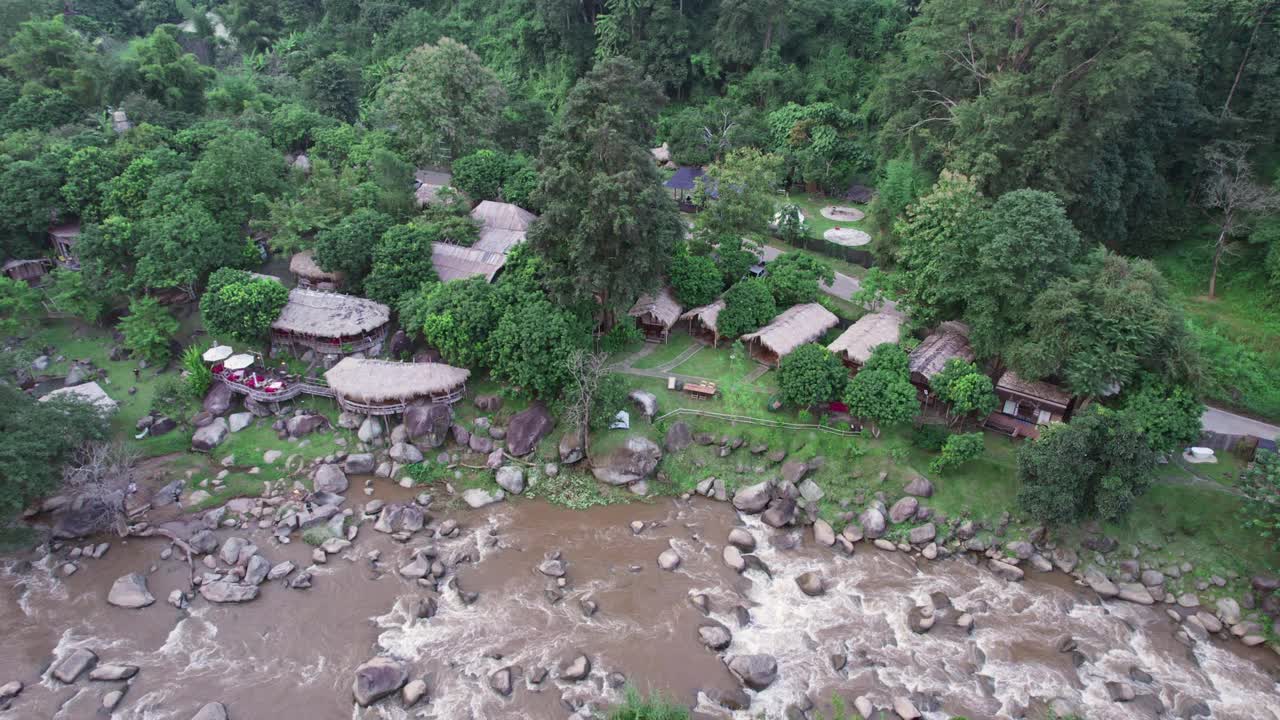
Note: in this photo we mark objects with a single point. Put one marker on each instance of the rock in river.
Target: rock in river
(479, 497)
(331, 479)
(223, 591)
(130, 591)
(669, 559)
(752, 498)
(575, 668)
(811, 584)
(754, 671)
(212, 711)
(71, 666)
(378, 678)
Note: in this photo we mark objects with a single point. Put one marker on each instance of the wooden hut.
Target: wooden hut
(931, 355)
(855, 344)
(385, 387)
(63, 238)
(655, 314)
(703, 321)
(29, 271)
(310, 276)
(1027, 405)
(502, 225)
(428, 184)
(454, 262)
(330, 323)
(792, 328)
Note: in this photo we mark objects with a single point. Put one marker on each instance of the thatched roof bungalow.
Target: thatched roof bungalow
(503, 225)
(793, 327)
(930, 356)
(1027, 405)
(454, 262)
(656, 313)
(703, 320)
(855, 344)
(330, 323)
(309, 274)
(385, 387)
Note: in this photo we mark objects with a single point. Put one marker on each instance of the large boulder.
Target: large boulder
(919, 487)
(300, 425)
(634, 461)
(679, 437)
(405, 454)
(755, 671)
(872, 522)
(477, 498)
(752, 498)
(72, 665)
(218, 400)
(378, 678)
(359, 464)
(256, 408)
(780, 513)
(330, 478)
(130, 591)
(212, 711)
(527, 428)
(222, 591)
(904, 510)
(370, 429)
(210, 436)
(570, 448)
(647, 401)
(488, 403)
(428, 423)
(239, 421)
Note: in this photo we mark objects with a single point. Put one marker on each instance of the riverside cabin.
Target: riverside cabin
(793, 327)
(386, 387)
(1025, 406)
(702, 321)
(655, 314)
(330, 323)
(931, 355)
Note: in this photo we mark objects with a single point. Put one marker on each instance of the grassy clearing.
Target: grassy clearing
(663, 353)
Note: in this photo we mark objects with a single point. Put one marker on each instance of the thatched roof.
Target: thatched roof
(498, 240)
(454, 262)
(1011, 382)
(661, 154)
(304, 265)
(427, 194)
(706, 314)
(662, 306)
(11, 264)
(326, 314)
(502, 215)
(379, 381)
(793, 327)
(930, 356)
(90, 392)
(865, 335)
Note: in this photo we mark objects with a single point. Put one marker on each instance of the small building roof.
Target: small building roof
(304, 265)
(869, 332)
(793, 327)
(502, 215)
(90, 392)
(66, 231)
(930, 356)
(16, 263)
(427, 176)
(860, 194)
(708, 315)
(686, 178)
(1011, 382)
(427, 193)
(454, 262)
(662, 306)
(379, 381)
(333, 315)
(498, 240)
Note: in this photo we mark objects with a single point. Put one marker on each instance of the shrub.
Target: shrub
(957, 450)
(198, 375)
(621, 335)
(695, 278)
(172, 398)
(653, 707)
(929, 437)
(315, 536)
(148, 329)
(426, 473)
(1261, 485)
(241, 306)
(811, 374)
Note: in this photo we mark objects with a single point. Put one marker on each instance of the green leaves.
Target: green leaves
(148, 329)
(809, 375)
(963, 387)
(748, 305)
(240, 306)
(794, 278)
(694, 278)
(882, 392)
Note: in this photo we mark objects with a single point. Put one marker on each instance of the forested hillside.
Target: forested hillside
(1144, 127)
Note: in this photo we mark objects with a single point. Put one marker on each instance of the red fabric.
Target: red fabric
(838, 407)
(217, 369)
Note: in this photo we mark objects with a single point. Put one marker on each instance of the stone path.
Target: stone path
(689, 352)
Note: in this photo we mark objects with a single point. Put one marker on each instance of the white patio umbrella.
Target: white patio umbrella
(239, 362)
(214, 354)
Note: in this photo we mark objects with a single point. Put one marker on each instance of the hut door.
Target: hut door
(1011, 407)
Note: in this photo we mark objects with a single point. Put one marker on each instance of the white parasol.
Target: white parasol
(214, 354)
(239, 362)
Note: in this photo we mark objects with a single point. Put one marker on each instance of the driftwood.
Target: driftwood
(150, 530)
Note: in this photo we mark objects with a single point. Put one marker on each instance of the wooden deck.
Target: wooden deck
(306, 386)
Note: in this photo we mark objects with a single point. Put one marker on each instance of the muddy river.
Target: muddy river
(292, 653)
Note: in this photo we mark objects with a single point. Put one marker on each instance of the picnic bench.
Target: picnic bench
(702, 390)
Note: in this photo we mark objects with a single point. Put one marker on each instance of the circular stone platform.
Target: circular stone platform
(840, 213)
(849, 237)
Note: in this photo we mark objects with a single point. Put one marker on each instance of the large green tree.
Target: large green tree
(747, 305)
(348, 247)
(607, 229)
(457, 318)
(401, 262)
(170, 75)
(965, 389)
(809, 375)
(739, 193)
(241, 306)
(798, 278)
(881, 393)
(36, 440)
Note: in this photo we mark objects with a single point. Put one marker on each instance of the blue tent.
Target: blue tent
(686, 178)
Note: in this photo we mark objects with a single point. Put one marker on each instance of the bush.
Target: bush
(241, 306)
(426, 473)
(1261, 485)
(172, 398)
(747, 306)
(316, 536)
(148, 329)
(621, 335)
(695, 278)
(653, 707)
(811, 374)
(199, 377)
(929, 437)
(957, 450)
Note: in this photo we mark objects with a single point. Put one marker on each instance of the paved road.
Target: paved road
(1228, 423)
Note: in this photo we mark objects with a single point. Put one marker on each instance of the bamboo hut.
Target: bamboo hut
(385, 387)
(330, 323)
(502, 225)
(931, 355)
(1028, 405)
(64, 238)
(454, 262)
(792, 328)
(857, 342)
(309, 274)
(703, 319)
(29, 271)
(655, 314)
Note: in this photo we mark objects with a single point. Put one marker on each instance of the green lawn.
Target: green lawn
(663, 353)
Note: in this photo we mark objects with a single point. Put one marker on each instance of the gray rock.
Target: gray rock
(223, 591)
(218, 400)
(811, 584)
(905, 709)
(511, 479)
(872, 522)
(281, 570)
(527, 428)
(923, 534)
(370, 430)
(669, 559)
(478, 497)
(1100, 584)
(781, 512)
(10, 690)
(330, 478)
(1021, 549)
(239, 421)
(359, 464)
(1152, 578)
(500, 681)
(428, 423)
(810, 491)
(793, 471)
(112, 673)
(733, 558)
(575, 668)
(903, 510)
(632, 462)
(742, 539)
(1065, 559)
(714, 635)
(919, 487)
(480, 444)
(754, 671)
(1229, 611)
(71, 666)
(678, 437)
(752, 498)
(1005, 571)
(413, 692)
(210, 436)
(570, 448)
(212, 711)
(405, 454)
(823, 533)
(1135, 593)
(647, 401)
(257, 570)
(377, 678)
(130, 591)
